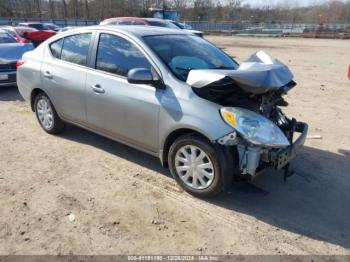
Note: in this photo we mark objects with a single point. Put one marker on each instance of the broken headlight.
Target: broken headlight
(253, 127)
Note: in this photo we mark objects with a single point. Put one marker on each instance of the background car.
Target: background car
(10, 52)
(26, 34)
(148, 22)
(19, 32)
(188, 28)
(41, 26)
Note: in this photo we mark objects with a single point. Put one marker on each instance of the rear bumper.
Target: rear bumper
(282, 157)
(10, 78)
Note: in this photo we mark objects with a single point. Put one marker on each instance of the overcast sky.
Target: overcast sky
(290, 2)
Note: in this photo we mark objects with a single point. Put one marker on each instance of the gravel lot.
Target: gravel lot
(125, 203)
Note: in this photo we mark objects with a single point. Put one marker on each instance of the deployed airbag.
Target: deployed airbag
(258, 75)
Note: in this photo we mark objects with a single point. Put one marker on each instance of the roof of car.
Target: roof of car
(145, 31)
(136, 30)
(17, 27)
(127, 18)
(30, 23)
(156, 20)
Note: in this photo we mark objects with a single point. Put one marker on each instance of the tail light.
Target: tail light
(349, 72)
(20, 63)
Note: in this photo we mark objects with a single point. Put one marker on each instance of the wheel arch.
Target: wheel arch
(170, 139)
(33, 95)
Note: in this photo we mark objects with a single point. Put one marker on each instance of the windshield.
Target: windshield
(5, 38)
(182, 53)
(37, 26)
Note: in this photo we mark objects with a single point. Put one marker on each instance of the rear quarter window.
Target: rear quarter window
(56, 48)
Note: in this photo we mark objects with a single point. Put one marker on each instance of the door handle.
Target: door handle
(98, 89)
(48, 75)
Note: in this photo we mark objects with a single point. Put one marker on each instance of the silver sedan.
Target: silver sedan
(168, 93)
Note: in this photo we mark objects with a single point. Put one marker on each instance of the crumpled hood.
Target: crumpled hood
(13, 52)
(258, 75)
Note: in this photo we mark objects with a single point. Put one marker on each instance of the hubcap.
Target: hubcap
(194, 167)
(45, 114)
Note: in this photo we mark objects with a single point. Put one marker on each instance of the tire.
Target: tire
(47, 115)
(213, 160)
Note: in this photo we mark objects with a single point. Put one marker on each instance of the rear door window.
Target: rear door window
(117, 55)
(75, 48)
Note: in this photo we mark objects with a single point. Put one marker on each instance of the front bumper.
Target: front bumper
(7, 78)
(253, 160)
(282, 157)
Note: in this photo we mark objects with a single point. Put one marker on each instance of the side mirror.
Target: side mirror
(141, 76)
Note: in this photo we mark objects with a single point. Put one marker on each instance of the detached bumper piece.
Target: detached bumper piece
(280, 158)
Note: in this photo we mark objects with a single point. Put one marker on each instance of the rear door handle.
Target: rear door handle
(48, 75)
(98, 89)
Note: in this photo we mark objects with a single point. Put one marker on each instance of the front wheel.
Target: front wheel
(47, 115)
(195, 164)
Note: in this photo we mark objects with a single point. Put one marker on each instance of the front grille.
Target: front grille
(7, 67)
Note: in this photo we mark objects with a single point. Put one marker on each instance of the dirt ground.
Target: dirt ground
(125, 203)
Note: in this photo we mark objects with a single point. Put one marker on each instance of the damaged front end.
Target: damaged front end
(251, 98)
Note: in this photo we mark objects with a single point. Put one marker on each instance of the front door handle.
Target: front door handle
(48, 75)
(98, 89)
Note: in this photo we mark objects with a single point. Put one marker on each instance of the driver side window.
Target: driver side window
(117, 55)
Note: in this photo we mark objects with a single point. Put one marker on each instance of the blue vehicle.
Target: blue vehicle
(10, 52)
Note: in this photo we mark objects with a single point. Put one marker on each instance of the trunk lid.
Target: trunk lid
(10, 53)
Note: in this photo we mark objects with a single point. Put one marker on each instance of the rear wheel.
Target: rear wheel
(47, 115)
(194, 163)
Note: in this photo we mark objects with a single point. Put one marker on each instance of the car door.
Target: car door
(127, 112)
(64, 74)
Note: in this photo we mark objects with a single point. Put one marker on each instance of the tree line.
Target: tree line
(235, 11)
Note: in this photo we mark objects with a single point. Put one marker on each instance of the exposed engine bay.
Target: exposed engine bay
(258, 85)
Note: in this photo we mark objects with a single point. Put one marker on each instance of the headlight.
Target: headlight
(254, 127)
